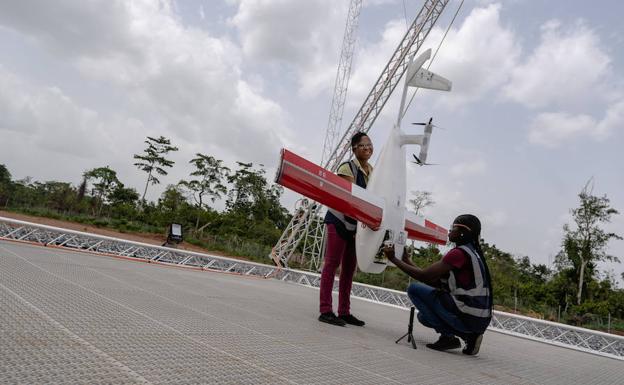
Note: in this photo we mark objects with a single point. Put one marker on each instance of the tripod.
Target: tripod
(410, 327)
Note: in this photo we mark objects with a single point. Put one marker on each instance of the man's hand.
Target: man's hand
(389, 252)
(407, 255)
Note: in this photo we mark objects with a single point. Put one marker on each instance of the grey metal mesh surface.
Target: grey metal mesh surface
(71, 317)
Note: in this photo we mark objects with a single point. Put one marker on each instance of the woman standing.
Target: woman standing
(340, 246)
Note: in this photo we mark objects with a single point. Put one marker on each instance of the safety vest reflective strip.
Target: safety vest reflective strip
(348, 225)
(480, 290)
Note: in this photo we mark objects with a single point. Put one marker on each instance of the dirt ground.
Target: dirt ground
(152, 239)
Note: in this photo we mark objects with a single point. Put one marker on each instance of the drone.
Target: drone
(380, 208)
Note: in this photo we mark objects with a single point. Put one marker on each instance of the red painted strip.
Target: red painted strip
(325, 187)
(435, 227)
(428, 233)
(315, 169)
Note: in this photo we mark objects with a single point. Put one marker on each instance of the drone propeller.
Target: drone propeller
(424, 124)
(420, 163)
(429, 122)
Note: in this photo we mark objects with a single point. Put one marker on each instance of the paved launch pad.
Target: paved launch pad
(71, 317)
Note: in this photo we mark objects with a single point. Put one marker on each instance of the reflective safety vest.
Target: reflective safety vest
(346, 226)
(474, 304)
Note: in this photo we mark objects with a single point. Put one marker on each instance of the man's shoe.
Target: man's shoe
(445, 343)
(331, 318)
(351, 320)
(473, 343)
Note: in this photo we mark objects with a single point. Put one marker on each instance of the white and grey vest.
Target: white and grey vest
(475, 303)
(350, 224)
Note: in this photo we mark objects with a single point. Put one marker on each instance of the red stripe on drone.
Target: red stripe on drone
(325, 187)
(428, 233)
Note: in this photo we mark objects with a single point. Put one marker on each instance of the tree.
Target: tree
(5, 185)
(171, 204)
(248, 190)
(123, 201)
(210, 173)
(585, 245)
(421, 200)
(82, 189)
(60, 196)
(123, 195)
(153, 159)
(104, 183)
(252, 195)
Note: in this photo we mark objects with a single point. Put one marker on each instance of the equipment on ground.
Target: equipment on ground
(174, 235)
(410, 328)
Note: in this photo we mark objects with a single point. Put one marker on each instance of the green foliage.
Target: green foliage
(5, 185)
(253, 198)
(105, 182)
(210, 173)
(153, 159)
(586, 242)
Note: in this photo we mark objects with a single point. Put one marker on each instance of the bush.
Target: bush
(101, 222)
(599, 308)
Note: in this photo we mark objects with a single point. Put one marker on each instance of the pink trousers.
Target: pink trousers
(338, 252)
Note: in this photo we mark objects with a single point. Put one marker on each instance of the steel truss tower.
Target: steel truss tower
(342, 79)
(306, 223)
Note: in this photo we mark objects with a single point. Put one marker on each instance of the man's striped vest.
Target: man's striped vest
(474, 304)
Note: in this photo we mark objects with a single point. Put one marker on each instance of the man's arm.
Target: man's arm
(431, 274)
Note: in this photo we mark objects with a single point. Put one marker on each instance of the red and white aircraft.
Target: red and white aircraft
(380, 208)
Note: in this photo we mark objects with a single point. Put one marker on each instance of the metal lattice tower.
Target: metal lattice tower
(342, 79)
(314, 236)
(307, 223)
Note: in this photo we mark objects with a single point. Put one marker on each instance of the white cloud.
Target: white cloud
(468, 164)
(551, 129)
(613, 120)
(303, 35)
(371, 59)
(74, 28)
(178, 80)
(46, 117)
(477, 57)
(496, 218)
(469, 168)
(375, 3)
(568, 67)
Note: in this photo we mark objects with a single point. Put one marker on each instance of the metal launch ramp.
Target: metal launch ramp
(74, 317)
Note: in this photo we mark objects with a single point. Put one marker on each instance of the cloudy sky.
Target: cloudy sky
(537, 107)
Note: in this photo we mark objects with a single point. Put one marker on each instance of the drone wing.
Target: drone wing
(327, 188)
(422, 229)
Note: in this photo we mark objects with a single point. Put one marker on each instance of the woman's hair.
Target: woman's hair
(474, 224)
(355, 139)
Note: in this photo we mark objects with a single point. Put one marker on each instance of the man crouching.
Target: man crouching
(456, 300)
